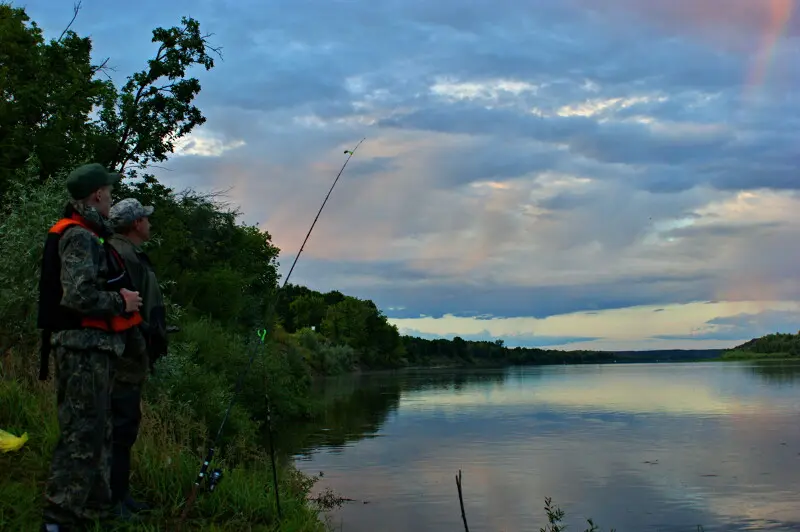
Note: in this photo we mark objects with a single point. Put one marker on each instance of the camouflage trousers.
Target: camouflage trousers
(78, 489)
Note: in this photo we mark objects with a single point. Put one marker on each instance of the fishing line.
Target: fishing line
(216, 475)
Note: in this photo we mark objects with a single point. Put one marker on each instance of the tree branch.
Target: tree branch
(102, 67)
(75, 9)
(217, 50)
(166, 87)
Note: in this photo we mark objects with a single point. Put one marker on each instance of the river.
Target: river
(636, 447)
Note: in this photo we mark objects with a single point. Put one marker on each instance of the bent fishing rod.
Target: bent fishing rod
(216, 475)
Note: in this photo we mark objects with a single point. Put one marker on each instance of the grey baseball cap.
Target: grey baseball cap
(127, 211)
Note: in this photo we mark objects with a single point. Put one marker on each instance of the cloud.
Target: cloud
(747, 325)
(202, 145)
(521, 160)
(709, 325)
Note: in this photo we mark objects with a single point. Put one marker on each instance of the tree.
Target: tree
(460, 349)
(384, 346)
(48, 90)
(346, 323)
(141, 123)
(308, 311)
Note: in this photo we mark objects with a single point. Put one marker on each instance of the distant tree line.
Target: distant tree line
(777, 345)
(343, 333)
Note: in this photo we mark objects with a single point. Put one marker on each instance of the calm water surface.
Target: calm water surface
(640, 447)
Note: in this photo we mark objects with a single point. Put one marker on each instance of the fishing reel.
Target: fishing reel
(214, 478)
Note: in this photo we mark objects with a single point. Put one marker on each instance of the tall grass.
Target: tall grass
(166, 460)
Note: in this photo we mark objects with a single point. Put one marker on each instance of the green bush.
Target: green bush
(322, 356)
(22, 234)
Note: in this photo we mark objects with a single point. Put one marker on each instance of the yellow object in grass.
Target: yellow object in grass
(9, 442)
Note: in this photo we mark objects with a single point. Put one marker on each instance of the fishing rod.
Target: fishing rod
(216, 475)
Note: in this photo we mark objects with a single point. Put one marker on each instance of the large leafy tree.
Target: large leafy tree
(47, 91)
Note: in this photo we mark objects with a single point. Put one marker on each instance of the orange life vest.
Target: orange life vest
(114, 323)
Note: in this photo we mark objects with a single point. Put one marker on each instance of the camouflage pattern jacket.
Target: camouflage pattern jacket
(84, 265)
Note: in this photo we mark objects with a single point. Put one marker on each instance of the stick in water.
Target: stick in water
(461, 500)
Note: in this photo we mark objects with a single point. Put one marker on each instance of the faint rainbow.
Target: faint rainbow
(780, 13)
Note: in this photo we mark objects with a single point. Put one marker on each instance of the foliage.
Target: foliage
(308, 311)
(48, 89)
(140, 123)
(778, 345)
(323, 356)
(22, 235)
(351, 330)
(556, 514)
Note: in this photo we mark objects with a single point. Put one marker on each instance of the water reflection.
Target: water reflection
(777, 372)
(355, 407)
(636, 447)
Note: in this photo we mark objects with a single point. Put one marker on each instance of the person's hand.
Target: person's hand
(133, 301)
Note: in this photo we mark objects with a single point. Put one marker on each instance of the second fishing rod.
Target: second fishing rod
(216, 475)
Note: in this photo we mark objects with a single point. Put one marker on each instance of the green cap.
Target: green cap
(87, 178)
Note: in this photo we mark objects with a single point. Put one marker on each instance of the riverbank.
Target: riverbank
(166, 460)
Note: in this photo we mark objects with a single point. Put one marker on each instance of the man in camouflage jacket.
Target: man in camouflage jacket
(78, 490)
(131, 223)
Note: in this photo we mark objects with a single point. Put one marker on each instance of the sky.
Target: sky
(568, 174)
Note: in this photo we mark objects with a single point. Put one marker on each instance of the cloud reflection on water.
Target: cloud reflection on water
(636, 448)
